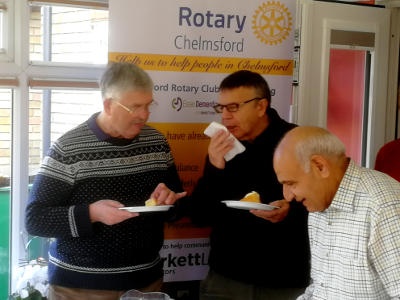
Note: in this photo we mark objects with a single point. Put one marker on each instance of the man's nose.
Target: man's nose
(288, 194)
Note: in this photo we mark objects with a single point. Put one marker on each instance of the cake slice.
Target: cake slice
(252, 197)
(150, 202)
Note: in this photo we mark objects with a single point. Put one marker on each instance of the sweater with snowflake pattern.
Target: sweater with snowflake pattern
(86, 165)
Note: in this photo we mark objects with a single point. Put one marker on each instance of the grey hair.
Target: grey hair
(324, 143)
(120, 77)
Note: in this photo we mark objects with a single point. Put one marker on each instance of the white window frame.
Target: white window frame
(17, 72)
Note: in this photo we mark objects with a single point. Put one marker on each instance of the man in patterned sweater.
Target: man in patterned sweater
(110, 161)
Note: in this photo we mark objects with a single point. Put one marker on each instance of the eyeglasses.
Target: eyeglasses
(232, 107)
(147, 107)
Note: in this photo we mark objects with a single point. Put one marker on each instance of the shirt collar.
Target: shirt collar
(104, 137)
(345, 195)
(100, 134)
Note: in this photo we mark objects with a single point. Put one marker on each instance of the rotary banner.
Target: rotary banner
(188, 47)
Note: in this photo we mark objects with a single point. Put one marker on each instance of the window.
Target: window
(1, 28)
(5, 171)
(50, 65)
(52, 112)
(6, 30)
(5, 136)
(68, 34)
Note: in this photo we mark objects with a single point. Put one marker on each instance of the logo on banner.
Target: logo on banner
(203, 107)
(272, 23)
(177, 103)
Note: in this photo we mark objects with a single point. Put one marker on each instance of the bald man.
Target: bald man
(354, 224)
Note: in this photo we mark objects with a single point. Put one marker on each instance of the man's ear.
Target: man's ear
(320, 165)
(263, 104)
(106, 105)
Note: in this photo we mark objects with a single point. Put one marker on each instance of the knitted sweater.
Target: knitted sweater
(245, 247)
(83, 166)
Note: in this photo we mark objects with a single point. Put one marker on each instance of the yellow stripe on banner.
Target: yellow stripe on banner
(204, 64)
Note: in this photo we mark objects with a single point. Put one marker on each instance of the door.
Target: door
(341, 73)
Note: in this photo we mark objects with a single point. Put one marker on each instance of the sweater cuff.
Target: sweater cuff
(81, 224)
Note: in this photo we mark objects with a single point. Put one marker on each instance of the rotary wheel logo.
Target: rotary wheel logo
(272, 23)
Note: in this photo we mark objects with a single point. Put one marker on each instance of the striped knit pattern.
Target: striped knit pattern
(85, 166)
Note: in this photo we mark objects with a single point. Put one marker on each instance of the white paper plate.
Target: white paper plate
(248, 205)
(147, 208)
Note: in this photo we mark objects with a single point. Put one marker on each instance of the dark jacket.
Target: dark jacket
(245, 247)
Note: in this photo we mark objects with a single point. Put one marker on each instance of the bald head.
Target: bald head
(302, 142)
(310, 163)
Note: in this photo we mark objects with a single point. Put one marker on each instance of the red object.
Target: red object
(346, 98)
(388, 159)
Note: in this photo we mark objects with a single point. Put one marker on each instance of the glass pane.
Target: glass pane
(347, 99)
(68, 34)
(5, 173)
(52, 113)
(1, 29)
(5, 136)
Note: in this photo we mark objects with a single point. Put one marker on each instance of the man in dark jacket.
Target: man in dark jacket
(255, 254)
